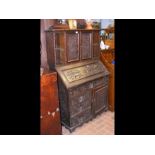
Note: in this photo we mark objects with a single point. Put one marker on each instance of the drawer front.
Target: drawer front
(80, 100)
(79, 107)
(81, 118)
(101, 81)
(85, 96)
(80, 90)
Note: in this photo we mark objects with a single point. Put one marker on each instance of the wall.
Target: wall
(45, 23)
(106, 22)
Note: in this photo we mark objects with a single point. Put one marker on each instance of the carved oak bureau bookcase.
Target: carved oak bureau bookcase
(82, 78)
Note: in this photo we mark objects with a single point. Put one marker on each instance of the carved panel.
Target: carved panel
(101, 99)
(78, 73)
(85, 45)
(80, 100)
(72, 43)
(96, 44)
(81, 118)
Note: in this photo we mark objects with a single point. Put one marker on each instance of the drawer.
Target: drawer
(81, 118)
(79, 107)
(101, 81)
(85, 96)
(80, 90)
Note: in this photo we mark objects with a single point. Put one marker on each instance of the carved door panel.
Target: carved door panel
(59, 48)
(96, 44)
(72, 45)
(85, 45)
(100, 99)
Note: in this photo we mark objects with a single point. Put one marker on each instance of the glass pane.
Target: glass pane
(59, 48)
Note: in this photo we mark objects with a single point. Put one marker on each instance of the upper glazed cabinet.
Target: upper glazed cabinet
(66, 46)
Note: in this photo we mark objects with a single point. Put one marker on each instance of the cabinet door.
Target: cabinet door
(85, 44)
(59, 47)
(100, 99)
(72, 45)
(96, 44)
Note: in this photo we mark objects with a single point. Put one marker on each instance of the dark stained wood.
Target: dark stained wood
(85, 45)
(96, 44)
(82, 78)
(83, 89)
(100, 99)
(65, 46)
(50, 112)
(45, 24)
(72, 46)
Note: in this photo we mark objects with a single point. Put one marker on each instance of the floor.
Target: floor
(103, 124)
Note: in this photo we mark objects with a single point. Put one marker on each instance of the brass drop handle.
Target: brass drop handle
(41, 117)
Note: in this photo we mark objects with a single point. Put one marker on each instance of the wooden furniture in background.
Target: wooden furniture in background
(50, 114)
(107, 56)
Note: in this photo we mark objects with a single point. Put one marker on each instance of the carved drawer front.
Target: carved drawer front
(79, 107)
(81, 100)
(84, 96)
(81, 118)
(81, 90)
(101, 81)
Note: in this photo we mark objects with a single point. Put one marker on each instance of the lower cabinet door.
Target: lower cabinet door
(100, 99)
